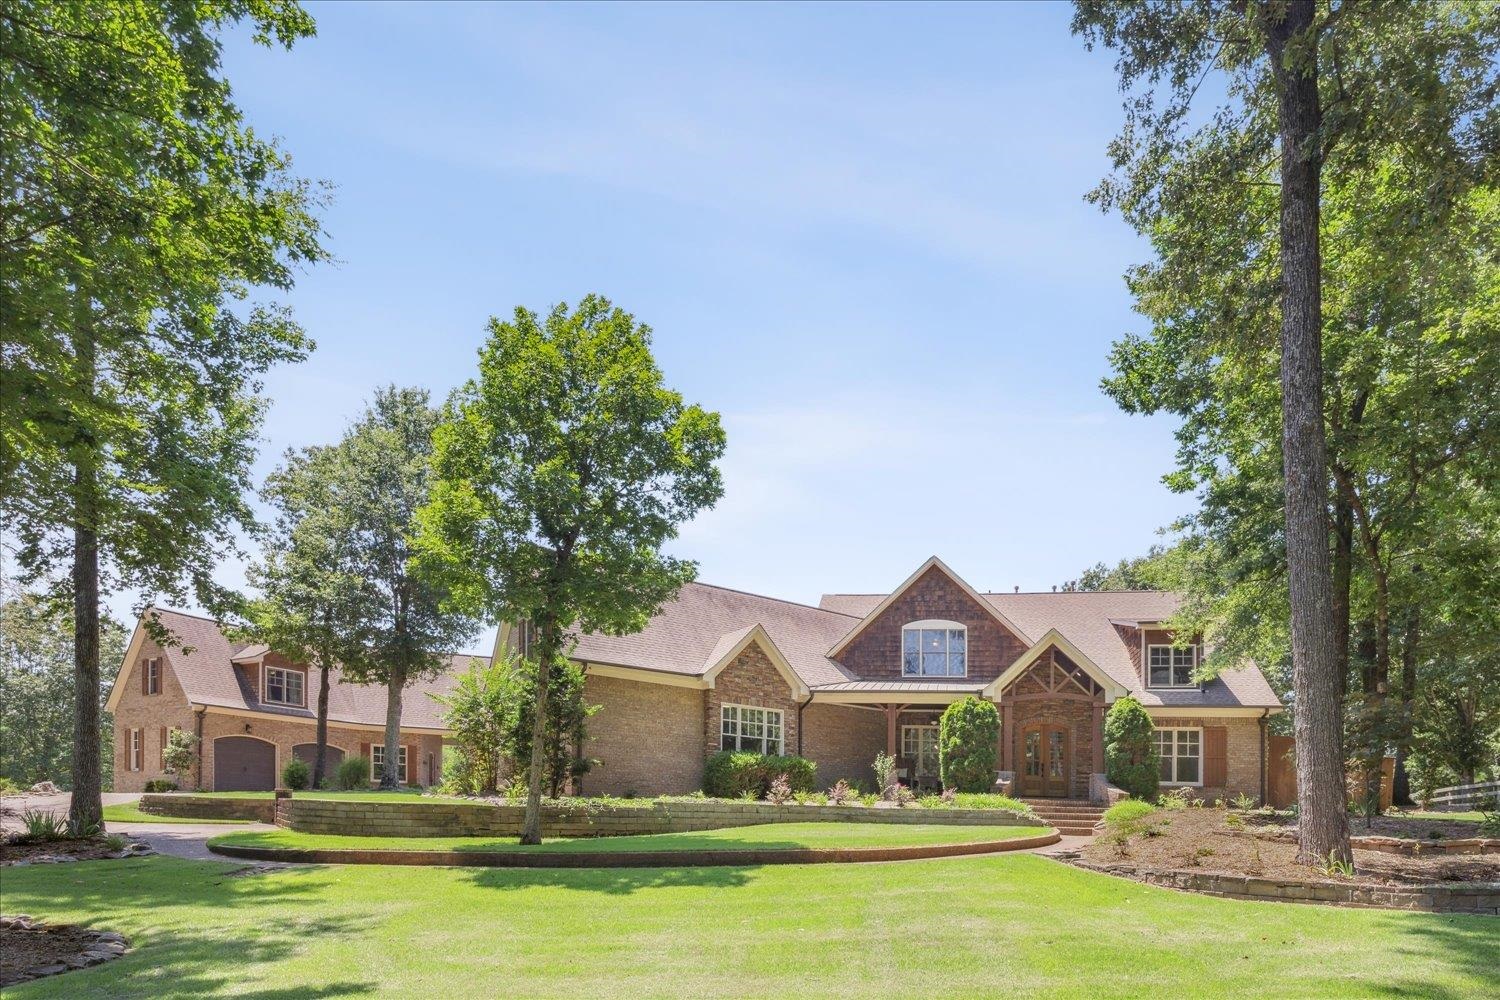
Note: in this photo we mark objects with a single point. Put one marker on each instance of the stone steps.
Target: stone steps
(1071, 817)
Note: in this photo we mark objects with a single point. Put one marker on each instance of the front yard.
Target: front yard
(1008, 925)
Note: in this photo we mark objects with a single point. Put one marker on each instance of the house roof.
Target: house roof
(203, 665)
(1087, 619)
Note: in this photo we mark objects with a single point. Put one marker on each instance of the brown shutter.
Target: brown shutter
(364, 751)
(125, 748)
(143, 665)
(1215, 757)
(163, 765)
(412, 766)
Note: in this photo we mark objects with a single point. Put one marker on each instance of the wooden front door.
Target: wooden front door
(1046, 761)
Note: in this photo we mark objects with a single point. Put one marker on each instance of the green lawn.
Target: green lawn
(130, 812)
(1008, 925)
(770, 836)
(405, 793)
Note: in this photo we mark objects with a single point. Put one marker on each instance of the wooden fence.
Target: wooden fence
(1281, 774)
(1461, 797)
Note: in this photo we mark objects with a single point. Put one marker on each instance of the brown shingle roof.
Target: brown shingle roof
(202, 666)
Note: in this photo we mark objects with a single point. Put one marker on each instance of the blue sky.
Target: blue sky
(859, 233)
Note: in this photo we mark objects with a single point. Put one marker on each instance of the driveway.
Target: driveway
(181, 840)
(12, 806)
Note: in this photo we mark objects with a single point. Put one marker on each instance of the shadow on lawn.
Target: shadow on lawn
(168, 955)
(611, 881)
(1463, 942)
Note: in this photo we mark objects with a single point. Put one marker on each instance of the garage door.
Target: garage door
(308, 752)
(244, 764)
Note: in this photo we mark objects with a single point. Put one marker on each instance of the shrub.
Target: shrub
(38, 827)
(296, 774)
(180, 754)
(885, 776)
(161, 785)
(1130, 758)
(729, 774)
(1174, 800)
(1127, 811)
(352, 773)
(840, 793)
(968, 733)
(780, 791)
(1244, 802)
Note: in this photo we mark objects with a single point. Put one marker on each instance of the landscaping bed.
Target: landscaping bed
(1405, 826)
(49, 852)
(30, 949)
(800, 843)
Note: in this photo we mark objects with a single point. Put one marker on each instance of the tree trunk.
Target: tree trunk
(320, 758)
(531, 826)
(390, 771)
(1343, 573)
(1323, 823)
(86, 808)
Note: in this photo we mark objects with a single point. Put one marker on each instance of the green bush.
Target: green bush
(1130, 758)
(1127, 811)
(352, 773)
(296, 774)
(968, 733)
(161, 785)
(730, 774)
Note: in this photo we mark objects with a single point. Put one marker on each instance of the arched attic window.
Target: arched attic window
(934, 648)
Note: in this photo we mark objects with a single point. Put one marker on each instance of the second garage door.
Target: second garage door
(308, 752)
(244, 764)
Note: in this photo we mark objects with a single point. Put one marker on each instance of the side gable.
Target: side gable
(733, 644)
(872, 649)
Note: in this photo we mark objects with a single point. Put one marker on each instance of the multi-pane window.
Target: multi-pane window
(1181, 753)
(284, 687)
(137, 749)
(152, 679)
(377, 763)
(919, 745)
(934, 649)
(1170, 666)
(745, 728)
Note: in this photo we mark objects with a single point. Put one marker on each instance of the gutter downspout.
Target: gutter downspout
(1265, 716)
(799, 721)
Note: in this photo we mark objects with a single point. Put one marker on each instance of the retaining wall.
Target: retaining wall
(438, 818)
(208, 807)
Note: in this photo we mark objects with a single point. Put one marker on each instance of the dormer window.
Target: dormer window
(1169, 666)
(934, 649)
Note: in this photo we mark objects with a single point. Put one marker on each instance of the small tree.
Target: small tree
(481, 711)
(180, 755)
(566, 731)
(967, 735)
(562, 470)
(1130, 757)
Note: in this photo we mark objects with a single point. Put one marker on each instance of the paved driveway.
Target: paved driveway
(12, 806)
(183, 840)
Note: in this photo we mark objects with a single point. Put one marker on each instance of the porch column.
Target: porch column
(1007, 738)
(891, 714)
(1098, 739)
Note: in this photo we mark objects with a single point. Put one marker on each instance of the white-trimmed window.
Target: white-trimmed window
(1169, 666)
(742, 727)
(151, 678)
(285, 687)
(137, 750)
(377, 763)
(1181, 753)
(919, 744)
(934, 649)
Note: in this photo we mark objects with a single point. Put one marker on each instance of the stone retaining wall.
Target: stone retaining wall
(209, 807)
(1404, 846)
(438, 818)
(1469, 897)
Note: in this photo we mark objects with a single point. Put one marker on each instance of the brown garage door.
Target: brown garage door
(308, 752)
(244, 764)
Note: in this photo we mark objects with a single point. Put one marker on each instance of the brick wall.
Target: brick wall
(648, 738)
(1242, 749)
(149, 713)
(843, 742)
(750, 679)
(875, 654)
(286, 733)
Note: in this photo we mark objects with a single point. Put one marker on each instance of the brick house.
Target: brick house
(837, 683)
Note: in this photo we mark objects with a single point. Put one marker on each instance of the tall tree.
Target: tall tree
(562, 471)
(312, 605)
(38, 688)
(141, 210)
(1313, 87)
(383, 479)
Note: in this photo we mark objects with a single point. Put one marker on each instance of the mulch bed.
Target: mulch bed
(30, 949)
(1405, 827)
(1203, 840)
(60, 851)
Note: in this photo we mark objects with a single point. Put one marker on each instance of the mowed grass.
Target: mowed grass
(354, 796)
(769, 836)
(130, 812)
(1004, 925)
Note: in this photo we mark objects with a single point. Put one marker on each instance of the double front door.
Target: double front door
(1045, 759)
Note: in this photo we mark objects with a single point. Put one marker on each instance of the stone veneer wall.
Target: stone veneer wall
(451, 819)
(647, 738)
(209, 807)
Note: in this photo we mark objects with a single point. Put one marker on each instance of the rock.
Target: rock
(44, 788)
(49, 970)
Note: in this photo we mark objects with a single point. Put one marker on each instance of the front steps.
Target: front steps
(1070, 817)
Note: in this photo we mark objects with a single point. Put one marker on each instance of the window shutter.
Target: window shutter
(1215, 757)
(125, 749)
(163, 766)
(145, 666)
(410, 777)
(364, 751)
